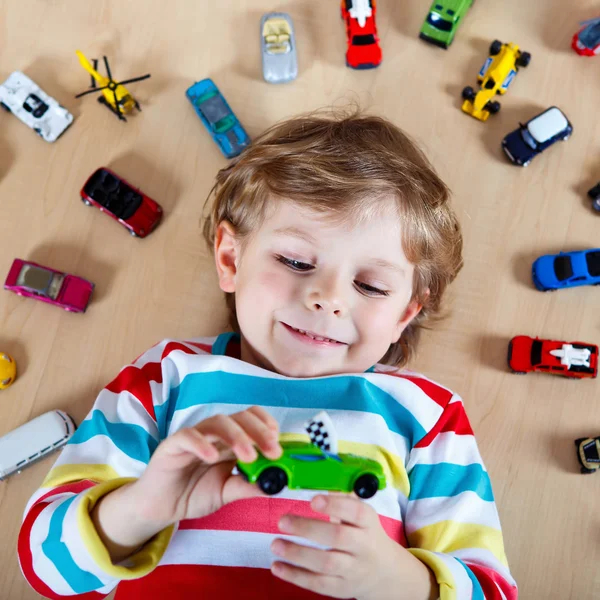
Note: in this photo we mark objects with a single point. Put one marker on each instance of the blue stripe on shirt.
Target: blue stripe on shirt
(57, 552)
(352, 393)
(447, 479)
(477, 590)
(131, 439)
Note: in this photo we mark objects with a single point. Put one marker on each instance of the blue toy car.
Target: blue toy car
(566, 269)
(218, 118)
(523, 144)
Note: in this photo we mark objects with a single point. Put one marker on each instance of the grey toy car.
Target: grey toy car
(278, 48)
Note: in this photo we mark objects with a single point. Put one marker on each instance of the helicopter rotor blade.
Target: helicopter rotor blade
(95, 63)
(107, 68)
(91, 91)
(134, 79)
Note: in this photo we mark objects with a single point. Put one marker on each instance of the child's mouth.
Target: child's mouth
(311, 338)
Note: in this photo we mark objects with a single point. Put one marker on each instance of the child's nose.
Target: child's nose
(328, 298)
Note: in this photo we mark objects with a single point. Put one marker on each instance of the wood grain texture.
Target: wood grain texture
(165, 286)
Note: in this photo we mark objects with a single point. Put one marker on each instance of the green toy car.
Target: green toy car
(443, 20)
(305, 466)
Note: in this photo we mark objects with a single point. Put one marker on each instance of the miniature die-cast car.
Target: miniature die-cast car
(304, 465)
(535, 136)
(594, 194)
(138, 213)
(8, 370)
(495, 76)
(566, 269)
(586, 41)
(29, 279)
(588, 454)
(218, 118)
(278, 48)
(42, 113)
(577, 360)
(442, 21)
(363, 50)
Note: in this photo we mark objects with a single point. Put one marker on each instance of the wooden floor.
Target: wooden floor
(164, 286)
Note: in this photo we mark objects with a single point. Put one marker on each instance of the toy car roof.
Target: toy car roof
(35, 278)
(547, 124)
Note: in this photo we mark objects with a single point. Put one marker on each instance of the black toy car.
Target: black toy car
(588, 454)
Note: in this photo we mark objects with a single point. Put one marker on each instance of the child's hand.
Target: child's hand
(362, 561)
(189, 476)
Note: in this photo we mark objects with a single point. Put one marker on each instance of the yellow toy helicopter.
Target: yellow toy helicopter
(114, 94)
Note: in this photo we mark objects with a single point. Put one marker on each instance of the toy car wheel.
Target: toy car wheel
(86, 201)
(578, 441)
(524, 59)
(495, 47)
(596, 204)
(366, 486)
(272, 480)
(586, 471)
(5, 107)
(525, 164)
(493, 107)
(468, 93)
(132, 233)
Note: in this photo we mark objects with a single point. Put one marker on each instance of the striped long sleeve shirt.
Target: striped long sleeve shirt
(438, 502)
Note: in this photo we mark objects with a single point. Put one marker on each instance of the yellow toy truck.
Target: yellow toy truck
(494, 78)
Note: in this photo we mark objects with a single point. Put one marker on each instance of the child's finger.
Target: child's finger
(226, 429)
(264, 416)
(191, 441)
(263, 436)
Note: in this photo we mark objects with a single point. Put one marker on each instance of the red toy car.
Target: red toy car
(586, 41)
(111, 194)
(577, 360)
(34, 281)
(363, 51)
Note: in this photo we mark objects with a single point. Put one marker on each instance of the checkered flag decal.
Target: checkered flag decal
(322, 432)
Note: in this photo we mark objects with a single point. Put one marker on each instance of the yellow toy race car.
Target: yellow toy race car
(494, 78)
(8, 370)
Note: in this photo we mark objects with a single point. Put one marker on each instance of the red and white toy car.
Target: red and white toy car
(577, 360)
(586, 42)
(48, 285)
(138, 213)
(364, 51)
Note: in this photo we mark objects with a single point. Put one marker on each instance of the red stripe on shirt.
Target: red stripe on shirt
(172, 346)
(453, 419)
(26, 560)
(183, 582)
(490, 580)
(75, 488)
(437, 393)
(136, 381)
(205, 347)
(261, 515)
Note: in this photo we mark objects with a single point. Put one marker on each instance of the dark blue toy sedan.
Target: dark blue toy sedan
(532, 138)
(566, 269)
(218, 118)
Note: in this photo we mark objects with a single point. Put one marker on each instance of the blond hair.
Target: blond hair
(343, 165)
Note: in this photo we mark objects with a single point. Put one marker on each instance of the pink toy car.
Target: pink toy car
(35, 281)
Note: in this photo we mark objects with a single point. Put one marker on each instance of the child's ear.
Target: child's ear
(410, 312)
(226, 255)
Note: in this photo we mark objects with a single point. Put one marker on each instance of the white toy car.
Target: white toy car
(43, 114)
(278, 48)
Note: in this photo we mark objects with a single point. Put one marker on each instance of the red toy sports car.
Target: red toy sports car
(586, 41)
(111, 194)
(577, 360)
(363, 50)
(29, 279)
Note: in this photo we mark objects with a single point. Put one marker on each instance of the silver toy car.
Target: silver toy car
(21, 96)
(278, 48)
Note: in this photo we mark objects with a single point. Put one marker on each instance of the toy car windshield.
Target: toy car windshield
(591, 451)
(563, 268)
(590, 36)
(363, 40)
(35, 106)
(592, 260)
(436, 21)
(536, 352)
(40, 281)
(216, 113)
(113, 194)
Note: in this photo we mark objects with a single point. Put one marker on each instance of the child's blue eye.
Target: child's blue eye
(296, 265)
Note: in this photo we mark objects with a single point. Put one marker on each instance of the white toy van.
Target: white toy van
(34, 440)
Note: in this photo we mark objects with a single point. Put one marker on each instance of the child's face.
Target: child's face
(350, 284)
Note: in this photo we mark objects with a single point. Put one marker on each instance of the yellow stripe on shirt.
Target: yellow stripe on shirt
(78, 472)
